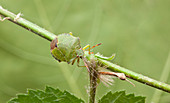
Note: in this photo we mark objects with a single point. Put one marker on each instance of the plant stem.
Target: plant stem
(113, 67)
(164, 77)
(135, 76)
(93, 80)
(27, 24)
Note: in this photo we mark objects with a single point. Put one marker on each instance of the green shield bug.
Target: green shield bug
(66, 48)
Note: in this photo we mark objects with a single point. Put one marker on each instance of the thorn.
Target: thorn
(5, 18)
(17, 17)
(130, 82)
(1, 7)
(121, 76)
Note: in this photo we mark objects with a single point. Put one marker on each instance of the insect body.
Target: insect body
(66, 48)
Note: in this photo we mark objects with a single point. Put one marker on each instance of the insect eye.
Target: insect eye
(53, 43)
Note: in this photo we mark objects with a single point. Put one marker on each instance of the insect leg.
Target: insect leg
(78, 61)
(84, 60)
(74, 61)
(121, 76)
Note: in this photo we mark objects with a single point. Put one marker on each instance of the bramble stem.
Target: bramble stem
(27, 24)
(93, 80)
(135, 76)
(113, 67)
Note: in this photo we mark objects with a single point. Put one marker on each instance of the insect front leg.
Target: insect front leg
(78, 62)
(74, 61)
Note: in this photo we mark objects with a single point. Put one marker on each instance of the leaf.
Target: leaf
(121, 97)
(50, 95)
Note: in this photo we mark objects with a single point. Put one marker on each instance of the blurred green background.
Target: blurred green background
(138, 31)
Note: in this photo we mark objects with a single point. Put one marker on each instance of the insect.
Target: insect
(66, 48)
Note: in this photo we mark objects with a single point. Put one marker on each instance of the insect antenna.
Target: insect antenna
(88, 46)
(95, 45)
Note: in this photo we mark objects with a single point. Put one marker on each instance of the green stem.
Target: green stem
(93, 80)
(113, 67)
(135, 76)
(164, 77)
(27, 24)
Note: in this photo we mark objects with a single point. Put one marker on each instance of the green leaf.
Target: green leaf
(50, 95)
(121, 97)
